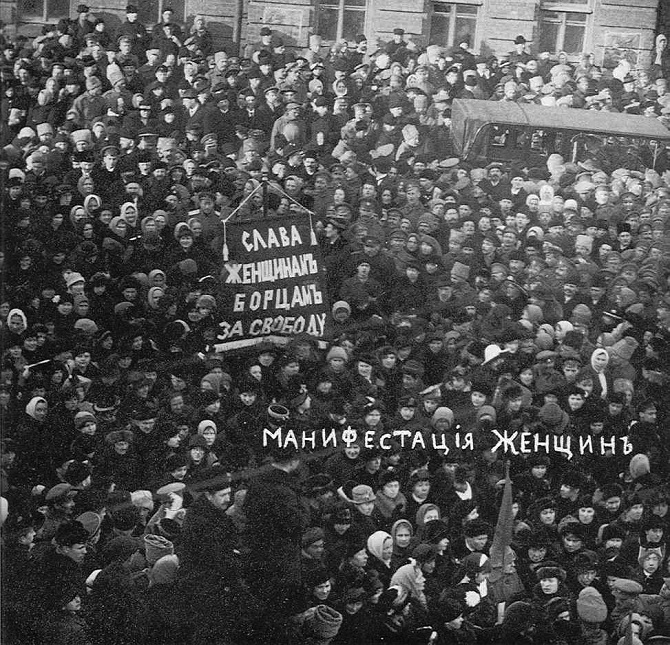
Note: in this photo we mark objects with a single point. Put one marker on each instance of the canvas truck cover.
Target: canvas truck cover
(469, 116)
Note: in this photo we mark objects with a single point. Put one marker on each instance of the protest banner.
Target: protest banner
(272, 281)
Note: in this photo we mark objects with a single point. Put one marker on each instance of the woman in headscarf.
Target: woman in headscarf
(36, 452)
(92, 205)
(602, 379)
(411, 579)
(402, 532)
(77, 217)
(128, 212)
(118, 231)
(380, 548)
(147, 252)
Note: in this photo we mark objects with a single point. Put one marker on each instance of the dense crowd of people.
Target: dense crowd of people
(140, 502)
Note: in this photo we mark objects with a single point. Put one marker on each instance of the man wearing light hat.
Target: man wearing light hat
(90, 105)
(45, 132)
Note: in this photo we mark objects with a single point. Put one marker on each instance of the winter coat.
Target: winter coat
(208, 540)
(276, 520)
(159, 619)
(114, 602)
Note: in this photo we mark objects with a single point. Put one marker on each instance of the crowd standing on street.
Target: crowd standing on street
(140, 503)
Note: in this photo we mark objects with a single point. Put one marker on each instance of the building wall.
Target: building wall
(611, 24)
(219, 14)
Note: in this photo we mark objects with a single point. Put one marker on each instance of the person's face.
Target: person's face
(651, 563)
(538, 471)
(316, 549)
(41, 410)
(649, 415)
(352, 452)
(478, 542)
(547, 516)
(654, 535)
(586, 514)
(322, 591)
(76, 552)
(549, 586)
(537, 554)
(572, 543)
(219, 499)
(403, 537)
(360, 558)
(421, 489)
(82, 360)
(575, 401)
(660, 509)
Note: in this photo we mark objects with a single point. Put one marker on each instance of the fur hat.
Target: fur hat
(82, 418)
(337, 352)
(116, 436)
(624, 348)
(155, 547)
(551, 570)
(323, 622)
(552, 415)
(591, 607)
(519, 616)
(472, 528)
(581, 314)
(448, 609)
(423, 553)
(413, 368)
(460, 270)
(639, 466)
(120, 548)
(164, 570)
(362, 494)
(627, 586)
(312, 535)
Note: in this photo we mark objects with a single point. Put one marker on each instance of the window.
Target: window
(150, 13)
(341, 19)
(562, 31)
(499, 135)
(43, 10)
(450, 20)
(563, 25)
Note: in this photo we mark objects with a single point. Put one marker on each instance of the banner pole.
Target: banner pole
(264, 183)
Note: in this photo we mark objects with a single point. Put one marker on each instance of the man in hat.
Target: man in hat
(519, 54)
(167, 20)
(57, 567)
(494, 184)
(263, 46)
(289, 127)
(221, 120)
(397, 48)
(208, 534)
(107, 173)
(336, 251)
(313, 53)
(208, 564)
(83, 25)
(90, 105)
(135, 31)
